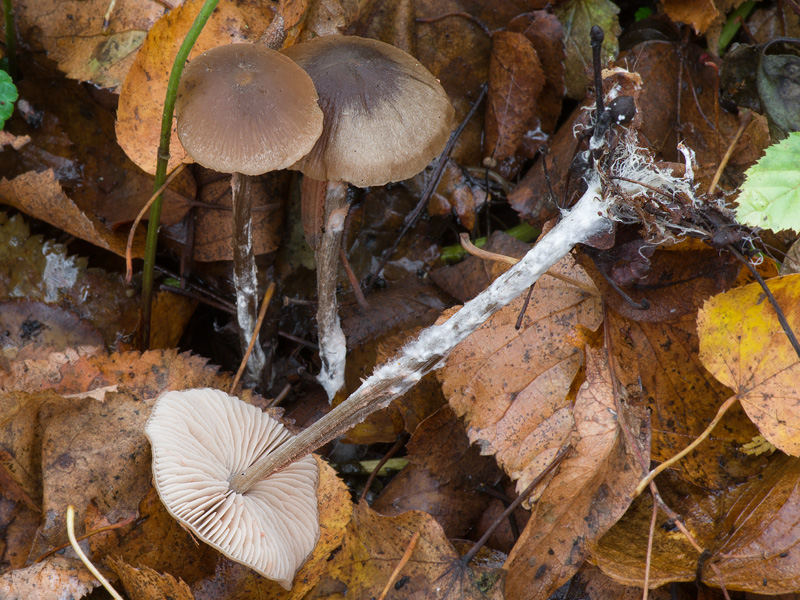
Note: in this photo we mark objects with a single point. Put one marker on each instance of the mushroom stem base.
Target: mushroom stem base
(433, 345)
(245, 279)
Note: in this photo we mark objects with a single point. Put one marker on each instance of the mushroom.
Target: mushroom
(200, 438)
(245, 109)
(386, 118)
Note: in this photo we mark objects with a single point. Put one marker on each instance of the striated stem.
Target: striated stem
(433, 345)
(332, 343)
(245, 279)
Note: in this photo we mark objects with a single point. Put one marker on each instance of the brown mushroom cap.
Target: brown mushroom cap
(244, 108)
(200, 438)
(386, 116)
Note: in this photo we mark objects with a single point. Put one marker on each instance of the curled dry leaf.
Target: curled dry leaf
(743, 344)
(373, 546)
(591, 490)
(700, 15)
(512, 386)
(142, 95)
(146, 584)
(40, 195)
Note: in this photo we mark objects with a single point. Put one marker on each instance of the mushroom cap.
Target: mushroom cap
(386, 116)
(243, 108)
(200, 438)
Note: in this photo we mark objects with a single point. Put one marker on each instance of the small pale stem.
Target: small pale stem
(433, 345)
(332, 343)
(245, 279)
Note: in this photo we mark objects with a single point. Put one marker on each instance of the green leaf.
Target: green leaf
(770, 195)
(8, 95)
(577, 18)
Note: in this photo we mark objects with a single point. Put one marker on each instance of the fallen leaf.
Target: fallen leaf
(700, 15)
(40, 195)
(591, 490)
(512, 386)
(48, 580)
(146, 584)
(373, 546)
(26, 322)
(743, 345)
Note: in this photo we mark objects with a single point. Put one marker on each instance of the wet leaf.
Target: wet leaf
(373, 546)
(512, 386)
(699, 14)
(743, 344)
(48, 580)
(578, 17)
(590, 491)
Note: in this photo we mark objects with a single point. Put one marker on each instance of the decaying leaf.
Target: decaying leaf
(373, 546)
(146, 584)
(743, 344)
(53, 579)
(512, 386)
(591, 490)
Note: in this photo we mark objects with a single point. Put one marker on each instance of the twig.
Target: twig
(83, 557)
(473, 552)
(401, 440)
(668, 463)
(406, 556)
(140, 216)
(280, 397)
(729, 152)
(261, 314)
(433, 182)
(650, 537)
(351, 277)
(89, 534)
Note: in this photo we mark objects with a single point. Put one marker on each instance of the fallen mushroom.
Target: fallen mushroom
(200, 438)
(386, 118)
(245, 109)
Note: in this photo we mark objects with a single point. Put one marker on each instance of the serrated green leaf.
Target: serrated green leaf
(577, 18)
(8, 95)
(770, 195)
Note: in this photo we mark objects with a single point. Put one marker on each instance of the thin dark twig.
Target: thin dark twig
(351, 277)
(778, 311)
(195, 295)
(433, 182)
(513, 506)
(399, 443)
(597, 35)
(524, 308)
(298, 340)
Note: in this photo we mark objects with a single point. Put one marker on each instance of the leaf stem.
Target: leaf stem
(161, 167)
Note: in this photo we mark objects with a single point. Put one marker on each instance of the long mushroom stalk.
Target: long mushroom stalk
(434, 344)
(245, 279)
(332, 343)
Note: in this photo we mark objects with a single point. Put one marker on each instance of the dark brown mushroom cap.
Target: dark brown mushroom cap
(200, 438)
(244, 108)
(386, 116)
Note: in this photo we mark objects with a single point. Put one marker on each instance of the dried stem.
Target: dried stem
(245, 278)
(435, 343)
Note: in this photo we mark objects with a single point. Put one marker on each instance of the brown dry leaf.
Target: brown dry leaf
(591, 490)
(145, 87)
(236, 582)
(699, 14)
(19, 525)
(72, 34)
(373, 546)
(516, 79)
(146, 584)
(589, 583)
(40, 195)
(28, 322)
(443, 477)
(53, 579)
(750, 530)
(512, 386)
(213, 228)
(457, 194)
(171, 313)
(743, 345)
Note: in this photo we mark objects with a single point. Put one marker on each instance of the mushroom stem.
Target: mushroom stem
(433, 345)
(245, 279)
(332, 343)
